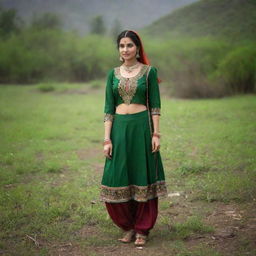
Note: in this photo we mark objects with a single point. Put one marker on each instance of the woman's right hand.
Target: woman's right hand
(108, 150)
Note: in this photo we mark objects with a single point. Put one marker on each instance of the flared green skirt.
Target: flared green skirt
(133, 172)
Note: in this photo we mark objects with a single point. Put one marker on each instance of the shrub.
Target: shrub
(33, 56)
(46, 87)
(238, 70)
(187, 64)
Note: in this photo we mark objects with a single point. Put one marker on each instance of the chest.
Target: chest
(128, 88)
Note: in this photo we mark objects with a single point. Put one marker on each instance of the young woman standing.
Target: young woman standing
(133, 176)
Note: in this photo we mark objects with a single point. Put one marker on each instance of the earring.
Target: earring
(137, 55)
(121, 58)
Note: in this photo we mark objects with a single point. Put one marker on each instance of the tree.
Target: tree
(116, 28)
(9, 22)
(97, 25)
(47, 21)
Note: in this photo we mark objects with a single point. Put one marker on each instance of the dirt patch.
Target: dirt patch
(234, 225)
(98, 167)
(67, 249)
(74, 91)
(40, 156)
(235, 228)
(85, 90)
(85, 153)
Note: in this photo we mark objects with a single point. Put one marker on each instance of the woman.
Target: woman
(133, 177)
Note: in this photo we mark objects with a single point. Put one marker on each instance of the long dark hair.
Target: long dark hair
(130, 34)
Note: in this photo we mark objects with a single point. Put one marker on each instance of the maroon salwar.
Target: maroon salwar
(139, 216)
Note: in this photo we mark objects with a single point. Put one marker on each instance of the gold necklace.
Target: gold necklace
(129, 69)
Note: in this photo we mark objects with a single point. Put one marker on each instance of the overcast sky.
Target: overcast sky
(76, 14)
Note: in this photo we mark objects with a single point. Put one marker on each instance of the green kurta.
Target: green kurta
(116, 93)
(134, 172)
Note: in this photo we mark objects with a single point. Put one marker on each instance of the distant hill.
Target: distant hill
(235, 19)
(77, 14)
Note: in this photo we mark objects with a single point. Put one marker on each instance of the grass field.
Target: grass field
(51, 166)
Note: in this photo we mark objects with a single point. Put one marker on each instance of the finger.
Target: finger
(157, 147)
(154, 148)
(108, 155)
(109, 152)
(106, 152)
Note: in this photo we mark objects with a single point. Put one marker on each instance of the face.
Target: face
(127, 48)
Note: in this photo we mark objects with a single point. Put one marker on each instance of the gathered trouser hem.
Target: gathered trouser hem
(139, 216)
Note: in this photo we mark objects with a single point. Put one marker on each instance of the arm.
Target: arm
(107, 129)
(155, 106)
(156, 134)
(109, 110)
(156, 119)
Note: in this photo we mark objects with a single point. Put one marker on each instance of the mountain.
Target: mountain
(77, 14)
(235, 19)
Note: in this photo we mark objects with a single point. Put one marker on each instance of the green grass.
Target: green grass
(191, 225)
(211, 148)
(51, 165)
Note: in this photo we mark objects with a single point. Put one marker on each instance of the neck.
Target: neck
(130, 63)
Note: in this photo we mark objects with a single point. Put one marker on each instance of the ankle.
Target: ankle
(138, 235)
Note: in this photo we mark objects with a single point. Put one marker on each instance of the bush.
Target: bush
(187, 64)
(238, 70)
(33, 56)
(46, 87)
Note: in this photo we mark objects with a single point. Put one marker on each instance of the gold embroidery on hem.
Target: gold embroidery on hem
(108, 117)
(138, 193)
(125, 94)
(155, 111)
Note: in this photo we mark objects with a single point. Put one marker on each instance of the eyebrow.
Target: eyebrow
(126, 44)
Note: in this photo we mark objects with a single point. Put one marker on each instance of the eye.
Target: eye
(121, 45)
(130, 45)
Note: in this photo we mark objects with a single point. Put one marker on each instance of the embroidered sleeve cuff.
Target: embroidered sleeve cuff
(155, 111)
(108, 117)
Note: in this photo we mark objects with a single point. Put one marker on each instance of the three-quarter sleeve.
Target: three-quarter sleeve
(109, 108)
(154, 93)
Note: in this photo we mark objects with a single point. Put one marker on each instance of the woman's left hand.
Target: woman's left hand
(155, 144)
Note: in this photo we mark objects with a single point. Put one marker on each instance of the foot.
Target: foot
(129, 235)
(140, 240)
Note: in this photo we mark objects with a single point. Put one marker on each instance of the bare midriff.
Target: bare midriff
(130, 109)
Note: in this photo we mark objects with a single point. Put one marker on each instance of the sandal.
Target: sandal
(140, 240)
(129, 235)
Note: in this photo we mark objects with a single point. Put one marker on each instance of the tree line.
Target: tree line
(190, 67)
(42, 50)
